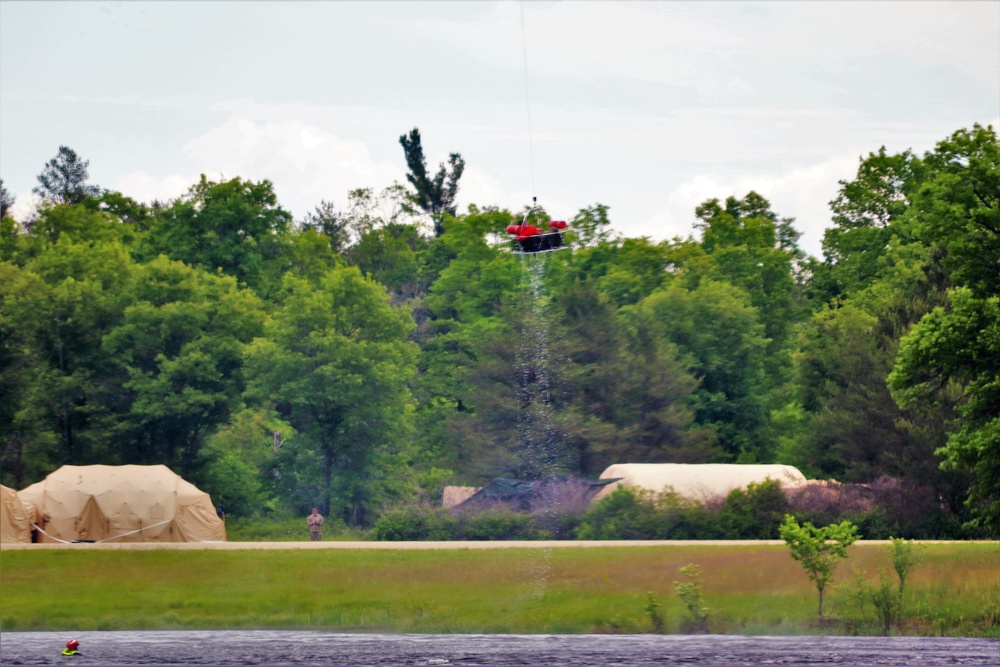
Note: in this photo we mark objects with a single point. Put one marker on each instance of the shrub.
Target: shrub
(884, 601)
(880, 509)
(415, 523)
(887, 600)
(559, 524)
(887, 605)
(501, 524)
(421, 522)
(695, 522)
(654, 613)
(559, 506)
(236, 483)
(755, 513)
(823, 503)
(633, 514)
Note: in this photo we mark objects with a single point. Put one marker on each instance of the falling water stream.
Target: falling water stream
(536, 431)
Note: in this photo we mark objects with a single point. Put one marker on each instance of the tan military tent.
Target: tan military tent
(697, 481)
(122, 504)
(15, 518)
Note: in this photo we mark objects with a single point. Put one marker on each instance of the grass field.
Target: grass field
(755, 589)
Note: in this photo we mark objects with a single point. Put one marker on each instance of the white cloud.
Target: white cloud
(25, 206)
(306, 163)
(145, 187)
(482, 189)
(801, 192)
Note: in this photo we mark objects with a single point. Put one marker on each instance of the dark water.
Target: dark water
(316, 648)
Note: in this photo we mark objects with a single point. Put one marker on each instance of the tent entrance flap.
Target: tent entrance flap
(91, 524)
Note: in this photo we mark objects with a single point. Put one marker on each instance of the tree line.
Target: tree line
(363, 356)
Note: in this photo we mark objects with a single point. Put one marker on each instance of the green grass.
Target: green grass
(750, 589)
(294, 529)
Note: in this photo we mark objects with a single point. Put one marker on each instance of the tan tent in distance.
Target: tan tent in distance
(122, 504)
(697, 481)
(15, 518)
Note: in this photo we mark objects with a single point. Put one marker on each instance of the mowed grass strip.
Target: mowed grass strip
(750, 589)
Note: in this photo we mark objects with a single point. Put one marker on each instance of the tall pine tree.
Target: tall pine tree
(434, 195)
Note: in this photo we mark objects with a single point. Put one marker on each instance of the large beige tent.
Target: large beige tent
(122, 504)
(15, 518)
(697, 481)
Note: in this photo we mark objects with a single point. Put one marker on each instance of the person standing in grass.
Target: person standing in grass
(315, 521)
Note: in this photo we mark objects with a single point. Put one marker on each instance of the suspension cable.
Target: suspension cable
(527, 100)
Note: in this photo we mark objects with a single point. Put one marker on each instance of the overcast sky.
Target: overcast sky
(648, 107)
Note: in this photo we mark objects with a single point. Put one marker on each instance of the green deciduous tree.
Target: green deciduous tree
(717, 332)
(754, 250)
(310, 255)
(75, 223)
(958, 210)
(591, 226)
(855, 431)
(390, 254)
(54, 313)
(368, 210)
(28, 438)
(961, 344)
(459, 312)
(335, 363)
(178, 358)
(819, 550)
(867, 213)
(233, 226)
(566, 385)
(331, 223)
(626, 271)
(240, 460)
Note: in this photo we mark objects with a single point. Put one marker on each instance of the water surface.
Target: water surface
(281, 648)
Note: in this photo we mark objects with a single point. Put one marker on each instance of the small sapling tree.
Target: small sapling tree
(690, 594)
(654, 613)
(905, 556)
(818, 549)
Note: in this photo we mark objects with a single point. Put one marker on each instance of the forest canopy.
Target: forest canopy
(359, 359)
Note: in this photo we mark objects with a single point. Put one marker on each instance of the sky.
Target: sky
(647, 107)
